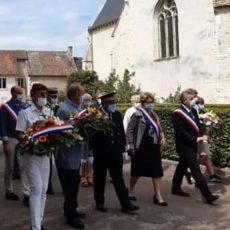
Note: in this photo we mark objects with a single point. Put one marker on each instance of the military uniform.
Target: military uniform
(108, 149)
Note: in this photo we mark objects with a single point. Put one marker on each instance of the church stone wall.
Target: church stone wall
(135, 46)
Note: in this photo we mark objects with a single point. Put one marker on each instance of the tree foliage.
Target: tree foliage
(89, 79)
(123, 88)
(174, 98)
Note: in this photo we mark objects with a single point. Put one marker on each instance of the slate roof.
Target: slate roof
(220, 3)
(78, 62)
(39, 63)
(110, 12)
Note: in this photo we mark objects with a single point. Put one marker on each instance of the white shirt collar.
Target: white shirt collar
(186, 108)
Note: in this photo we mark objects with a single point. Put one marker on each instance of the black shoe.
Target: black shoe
(133, 198)
(128, 209)
(26, 201)
(156, 201)
(101, 208)
(76, 223)
(180, 192)
(80, 214)
(11, 196)
(212, 198)
(215, 178)
(16, 177)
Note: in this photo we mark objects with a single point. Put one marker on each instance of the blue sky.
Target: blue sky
(47, 24)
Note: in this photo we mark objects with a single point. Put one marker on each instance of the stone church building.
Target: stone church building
(167, 43)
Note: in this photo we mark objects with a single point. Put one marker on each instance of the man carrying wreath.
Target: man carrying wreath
(68, 159)
(37, 165)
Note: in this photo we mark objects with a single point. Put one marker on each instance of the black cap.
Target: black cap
(104, 95)
(53, 92)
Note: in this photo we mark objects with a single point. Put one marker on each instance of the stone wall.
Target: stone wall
(134, 45)
(59, 82)
(5, 94)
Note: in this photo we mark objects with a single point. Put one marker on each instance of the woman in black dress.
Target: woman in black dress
(145, 139)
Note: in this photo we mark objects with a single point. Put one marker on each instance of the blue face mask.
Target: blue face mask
(86, 104)
(19, 98)
(112, 108)
(81, 99)
(149, 106)
(192, 103)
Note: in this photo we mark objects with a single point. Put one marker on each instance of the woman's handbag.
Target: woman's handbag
(203, 148)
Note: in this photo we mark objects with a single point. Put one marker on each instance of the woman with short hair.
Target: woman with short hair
(145, 139)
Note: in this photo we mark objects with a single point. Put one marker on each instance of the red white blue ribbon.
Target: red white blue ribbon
(51, 130)
(81, 113)
(11, 112)
(153, 124)
(188, 119)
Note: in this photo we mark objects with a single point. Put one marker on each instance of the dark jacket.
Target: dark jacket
(113, 142)
(185, 134)
(8, 121)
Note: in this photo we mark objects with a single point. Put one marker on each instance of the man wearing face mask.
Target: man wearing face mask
(108, 149)
(68, 160)
(135, 101)
(37, 166)
(9, 116)
(53, 105)
(188, 134)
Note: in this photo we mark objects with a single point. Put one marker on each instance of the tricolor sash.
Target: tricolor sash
(191, 122)
(151, 122)
(81, 113)
(51, 130)
(11, 112)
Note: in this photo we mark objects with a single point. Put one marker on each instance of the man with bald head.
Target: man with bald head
(8, 115)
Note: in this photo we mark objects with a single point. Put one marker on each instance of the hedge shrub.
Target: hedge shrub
(220, 136)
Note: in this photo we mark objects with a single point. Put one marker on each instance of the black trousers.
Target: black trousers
(70, 181)
(113, 163)
(193, 165)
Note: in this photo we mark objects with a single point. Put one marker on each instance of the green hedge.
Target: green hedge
(220, 136)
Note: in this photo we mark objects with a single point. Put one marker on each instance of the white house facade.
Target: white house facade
(167, 43)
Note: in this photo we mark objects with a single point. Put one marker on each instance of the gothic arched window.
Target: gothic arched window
(168, 30)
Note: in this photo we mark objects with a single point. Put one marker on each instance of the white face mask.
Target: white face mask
(54, 100)
(42, 101)
(137, 105)
(201, 106)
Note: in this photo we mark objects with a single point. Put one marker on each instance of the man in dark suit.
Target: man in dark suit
(187, 134)
(108, 149)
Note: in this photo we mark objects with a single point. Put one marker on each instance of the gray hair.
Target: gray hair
(184, 94)
(87, 96)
